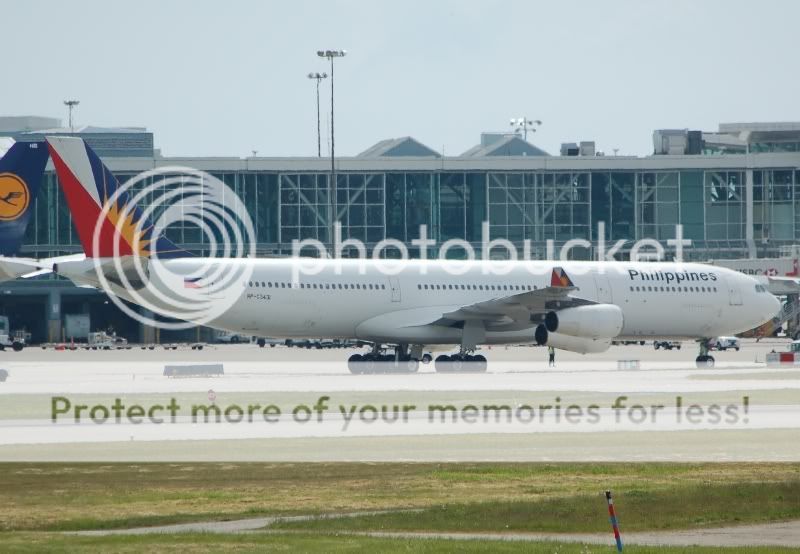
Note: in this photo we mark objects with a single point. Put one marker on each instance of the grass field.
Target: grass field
(640, 509)
(198, 543)
(54, 497)
(42, 499)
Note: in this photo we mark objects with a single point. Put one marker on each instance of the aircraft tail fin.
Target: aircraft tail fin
(107, 221)
(559, 278)
(21, 171)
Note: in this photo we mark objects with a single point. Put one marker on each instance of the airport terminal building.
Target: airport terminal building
(735, 192)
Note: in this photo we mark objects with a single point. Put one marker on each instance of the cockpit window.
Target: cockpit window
(761, 288)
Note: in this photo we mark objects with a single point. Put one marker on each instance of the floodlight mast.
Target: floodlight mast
(70, 104)
(525, 125)
(332, 209)
(318, 77)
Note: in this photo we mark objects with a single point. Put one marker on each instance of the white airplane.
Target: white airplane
(575, 306)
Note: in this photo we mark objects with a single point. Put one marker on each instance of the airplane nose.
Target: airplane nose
(772, 307)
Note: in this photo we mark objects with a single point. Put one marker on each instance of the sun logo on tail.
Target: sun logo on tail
(559, 278)
(124, 219)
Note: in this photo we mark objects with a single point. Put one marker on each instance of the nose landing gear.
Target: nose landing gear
(704, 360)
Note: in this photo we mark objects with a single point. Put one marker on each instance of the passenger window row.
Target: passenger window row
(317, 286)
(673, 289)
(477, 287)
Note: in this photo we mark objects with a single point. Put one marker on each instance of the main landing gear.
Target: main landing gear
(405, 360)
(461, 362)
(474, 333)
(704, 359)
(400, 361)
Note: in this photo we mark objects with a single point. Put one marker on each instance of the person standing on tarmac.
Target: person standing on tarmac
(551, 352)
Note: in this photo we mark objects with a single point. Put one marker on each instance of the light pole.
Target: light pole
(70, 104)
(318, 77)
(332, 215)
(526, 125)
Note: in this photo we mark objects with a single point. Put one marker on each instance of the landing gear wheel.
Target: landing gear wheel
(354, 364)
(705, 361)
(370, 363)
(426, 358)
(442, 363)
(461, 363)
(409, 365)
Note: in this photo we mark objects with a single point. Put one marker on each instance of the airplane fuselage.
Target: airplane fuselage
(361, 299)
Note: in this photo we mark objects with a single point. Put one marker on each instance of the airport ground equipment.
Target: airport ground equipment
(100, 340)
(787, 320)
(230, 338)
(790, 357)
(724, 343)
(666, 344)
(8, 339)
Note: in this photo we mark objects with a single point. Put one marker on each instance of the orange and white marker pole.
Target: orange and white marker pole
(613, 517)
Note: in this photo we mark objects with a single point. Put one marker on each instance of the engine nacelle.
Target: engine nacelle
(592, 321)
(580, 345)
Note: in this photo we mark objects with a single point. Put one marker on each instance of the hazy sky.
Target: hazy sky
(225, 78)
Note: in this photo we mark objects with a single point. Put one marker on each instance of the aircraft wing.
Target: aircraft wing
(11, 268)
(517, 311)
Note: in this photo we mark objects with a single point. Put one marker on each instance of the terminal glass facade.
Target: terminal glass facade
(537, 206)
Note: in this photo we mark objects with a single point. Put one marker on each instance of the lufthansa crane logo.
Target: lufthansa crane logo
(14, 197)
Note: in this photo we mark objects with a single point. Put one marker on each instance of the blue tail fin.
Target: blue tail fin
(21, 171)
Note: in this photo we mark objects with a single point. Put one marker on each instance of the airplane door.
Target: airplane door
(394, 285)
(603, 288)
(734, 293)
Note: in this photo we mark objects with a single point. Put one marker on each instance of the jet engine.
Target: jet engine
(592, 321)
(581, 345)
